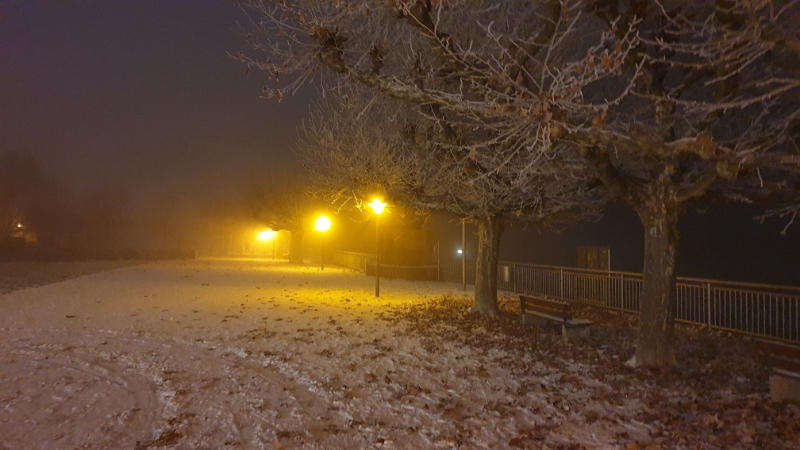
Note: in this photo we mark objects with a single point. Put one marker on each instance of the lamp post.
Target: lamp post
(322, 225)
(268, 235)
(463, 253)
(378, 206)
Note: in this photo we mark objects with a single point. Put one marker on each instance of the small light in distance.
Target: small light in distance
(322, 224)
(267, 235)
(459, 251)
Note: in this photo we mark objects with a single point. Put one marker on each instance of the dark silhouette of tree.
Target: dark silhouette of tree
(280, 202)
(105, 213)
(489, 79)
(700, 112)
(27, 194)
(362, 145)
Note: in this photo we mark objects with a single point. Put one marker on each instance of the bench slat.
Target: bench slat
(781, 356)
(783, 349)
(551, 310)
(789, 365)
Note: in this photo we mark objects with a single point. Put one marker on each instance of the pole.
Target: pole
(377, 255)
(463, 255)
(438, 261)
(273, 246)
(322, 262)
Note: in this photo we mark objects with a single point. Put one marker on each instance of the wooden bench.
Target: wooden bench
(784, 358)
(542, 311)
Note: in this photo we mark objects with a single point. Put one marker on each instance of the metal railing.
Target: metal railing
(353, 260)
(757, 309)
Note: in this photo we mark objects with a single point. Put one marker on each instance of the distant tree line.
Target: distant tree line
(42, 217)
(33, 199)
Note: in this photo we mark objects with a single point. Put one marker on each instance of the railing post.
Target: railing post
(621, 293)
(708, 304)
(561, 276)
(514, 277)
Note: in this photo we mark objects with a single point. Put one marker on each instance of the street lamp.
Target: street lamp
(268, 235)
(322, 225)
(463, 253)
(378, 206)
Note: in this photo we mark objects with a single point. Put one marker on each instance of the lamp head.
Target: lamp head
(322, 224)
(377, 205)
(266, 235)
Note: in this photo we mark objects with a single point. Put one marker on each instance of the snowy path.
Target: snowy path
(243, 354)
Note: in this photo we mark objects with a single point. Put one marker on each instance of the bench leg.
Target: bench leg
(532, 319)
(582, 332)
(784, 388)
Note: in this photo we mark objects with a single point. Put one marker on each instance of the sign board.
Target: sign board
(595, 258)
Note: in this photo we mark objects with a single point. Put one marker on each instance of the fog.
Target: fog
(127, 129)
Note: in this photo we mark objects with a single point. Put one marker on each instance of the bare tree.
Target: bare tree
(663, 115)
(768, 32)
(364, 144)
(502, 81)
(104, 212)
(28, 194)
(281, 203)
(515, 68)
(698, 115)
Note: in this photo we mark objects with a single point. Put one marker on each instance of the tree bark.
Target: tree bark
(490, 229)
(659, 215)
(296, 247)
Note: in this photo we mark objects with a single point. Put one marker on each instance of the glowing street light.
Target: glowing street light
(378, 206)
(322, 225)
(268, 235)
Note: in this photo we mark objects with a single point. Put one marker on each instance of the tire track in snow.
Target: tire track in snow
(135, 390)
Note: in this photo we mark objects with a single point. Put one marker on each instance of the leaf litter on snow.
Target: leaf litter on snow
(318, 367)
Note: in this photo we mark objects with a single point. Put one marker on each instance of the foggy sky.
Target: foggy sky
(140, 92)
(143, 94)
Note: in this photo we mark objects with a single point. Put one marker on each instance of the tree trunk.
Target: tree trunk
(657, 309)
(490, 229)
(296, 247)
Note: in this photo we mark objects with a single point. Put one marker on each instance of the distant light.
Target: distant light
(19, 225)
(322, 224)
(267, 235)
(460, 251)
(377, 205)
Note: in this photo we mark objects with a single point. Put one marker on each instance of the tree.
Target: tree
(698, 115)
(28, 194)
(365, 144)
(105, 210)
(663, 115)
(770, 31)
(494, 78)
(281, 203)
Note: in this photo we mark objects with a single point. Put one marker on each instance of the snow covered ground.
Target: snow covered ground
(213, 354)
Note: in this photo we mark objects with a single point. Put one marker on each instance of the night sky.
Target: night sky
(144, 94)
(139, 92)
